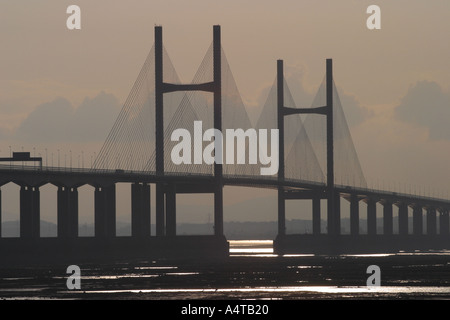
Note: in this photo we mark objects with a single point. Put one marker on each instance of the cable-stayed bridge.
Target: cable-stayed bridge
(314, 151)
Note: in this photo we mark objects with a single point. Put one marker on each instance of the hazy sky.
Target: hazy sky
(395, 81)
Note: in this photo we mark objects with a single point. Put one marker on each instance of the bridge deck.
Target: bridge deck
(76, 177)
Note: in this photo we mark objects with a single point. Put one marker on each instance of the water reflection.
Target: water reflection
(253, 271)
(251, 248)
(318, 289)
(155, 268)
(368, 255)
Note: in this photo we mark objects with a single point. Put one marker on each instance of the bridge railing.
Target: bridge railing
(229, 179)
(387, 193)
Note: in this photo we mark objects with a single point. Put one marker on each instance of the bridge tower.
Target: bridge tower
(333, 198)
(166, 192)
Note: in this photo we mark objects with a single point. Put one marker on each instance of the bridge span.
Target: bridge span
(308, 169)
(68, 181)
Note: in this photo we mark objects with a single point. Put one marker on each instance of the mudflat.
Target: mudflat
(403, 276)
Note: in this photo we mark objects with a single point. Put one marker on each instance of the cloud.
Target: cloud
(48, 122)
(95, 117)
(59, 121)
(427, 105)
(355, 114)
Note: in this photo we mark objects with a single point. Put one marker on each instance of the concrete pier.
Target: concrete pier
(0, 213)
(417, 220)
(354, 215)
(444, 222)
(371, 216)
(29, 212)
(105, 211)
(431, 221)
(140, 210)
(171, 211)
(403, 218)
(316, 214)
(67, 212)
(337, 214)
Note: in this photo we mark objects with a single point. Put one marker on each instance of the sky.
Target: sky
(62, 89)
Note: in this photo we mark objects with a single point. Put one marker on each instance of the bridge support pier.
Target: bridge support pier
(337, 209)
(29, 212)
(431, 221)
(281, 213)
(403, 218)
(316, 214)
(444, 222)
(217, 118)
(140, 210)
(334, 214)
(67, 212)
(354, 215)
(105, 211)
(160, 212)
(218, 210)
(388, 225)
(371, 216)
(171, 211)
(0, 213)
(417, 220)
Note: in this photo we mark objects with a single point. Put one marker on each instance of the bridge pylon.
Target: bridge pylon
(165, 192)
(332, 196)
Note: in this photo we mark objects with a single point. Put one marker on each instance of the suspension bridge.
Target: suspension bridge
(315, 151)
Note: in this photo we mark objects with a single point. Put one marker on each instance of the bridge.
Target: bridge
(315, 152)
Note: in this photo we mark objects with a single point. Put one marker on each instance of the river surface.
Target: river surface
(252, 271)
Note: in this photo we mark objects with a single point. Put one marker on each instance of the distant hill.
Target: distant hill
(233, 230)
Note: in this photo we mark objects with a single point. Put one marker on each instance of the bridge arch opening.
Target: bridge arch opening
(345, 216)
(395, 219)
(10, 210)
(410, 220)
(86, 216)
(250, 213)
(48, 210)
(195, 214)
(299, 216)
(123, 209)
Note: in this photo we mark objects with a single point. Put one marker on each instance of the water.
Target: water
(252, 271)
